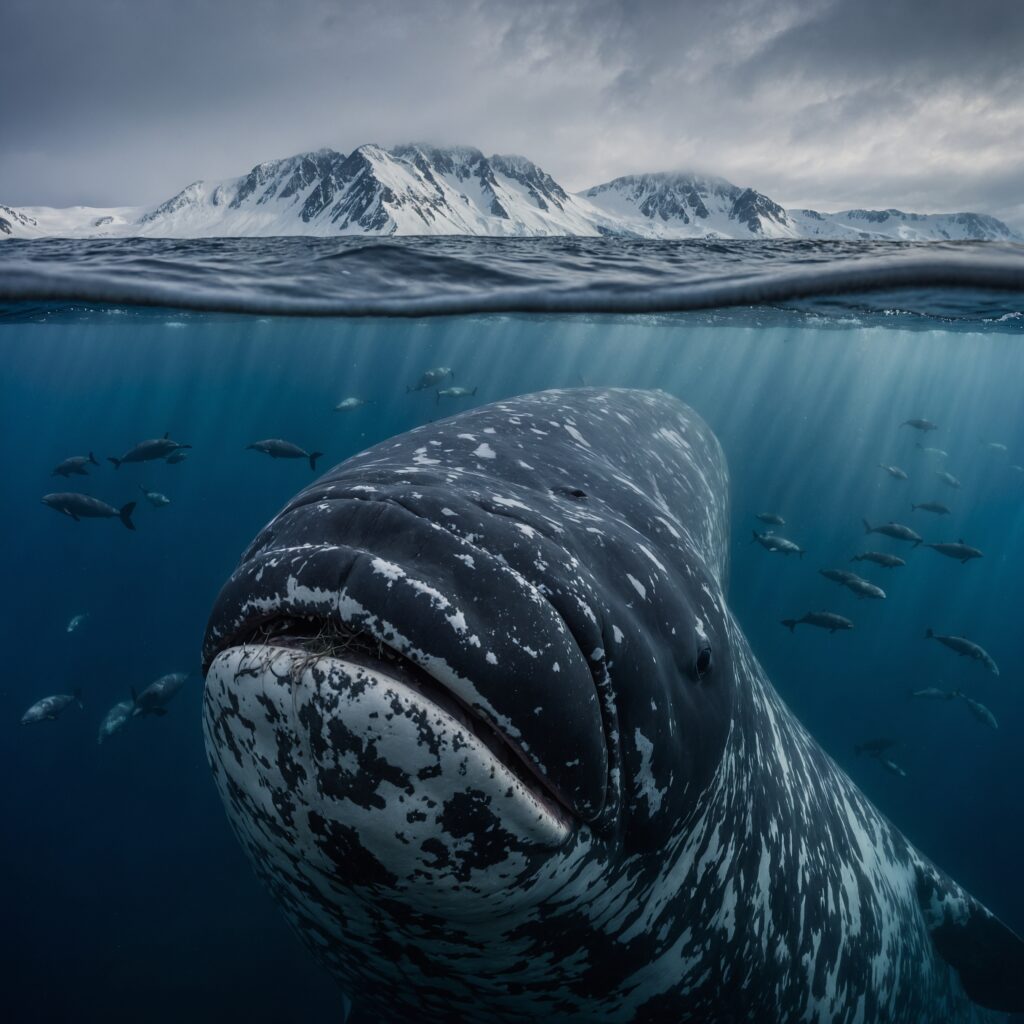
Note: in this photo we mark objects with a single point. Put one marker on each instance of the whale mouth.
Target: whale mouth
(326, 639)
(477, 635)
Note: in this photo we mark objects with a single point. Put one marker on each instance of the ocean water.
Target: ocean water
(126, 897)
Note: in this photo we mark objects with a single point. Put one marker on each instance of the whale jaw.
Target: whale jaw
(343, 777)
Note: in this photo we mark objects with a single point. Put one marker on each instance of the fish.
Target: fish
(154, 698)
(773, 542)
(875, 746)
(965, 648)
(455, 392)
(936, 453)
(49, 708)
(850, 580)
(82, 506)
(895, 530)
(980, 712)
(877, 749)
(431, 378)
(838, 575)
(116, 719)
(485, 782)
(75, 466)
(350, 403)
(147, 451)
(934, 693)
(278, 449)
(960, 551)
(175, 457)
(77, 621)
(996, 446)
(923, 425)
(155, 498)
(932, 506)
(948, 479)
(894, 471)
(823, 620)
(771, 518)
(863, 588)
(892, 767)
(881, 558)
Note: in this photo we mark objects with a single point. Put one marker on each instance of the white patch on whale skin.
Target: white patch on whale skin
(762, 901)
(648, 790)
(485, 451)
(851, 894)
(437, 599)
(458, 623)
(510, 503)
(726, 918)
(637, 586)
(421, 458)
(391, 572)
(650, 554)
(674, 438)
(626, 482)
(295, 593)
(576, 435)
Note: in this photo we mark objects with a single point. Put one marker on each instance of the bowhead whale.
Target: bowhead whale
(480, 715)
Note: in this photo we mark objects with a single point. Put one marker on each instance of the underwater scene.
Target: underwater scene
(671, 669)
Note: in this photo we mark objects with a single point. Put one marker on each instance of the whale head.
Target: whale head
(465, 683)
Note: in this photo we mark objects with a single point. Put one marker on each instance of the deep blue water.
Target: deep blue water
(125, 895)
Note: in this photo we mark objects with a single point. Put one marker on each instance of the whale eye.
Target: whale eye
(702, 666)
